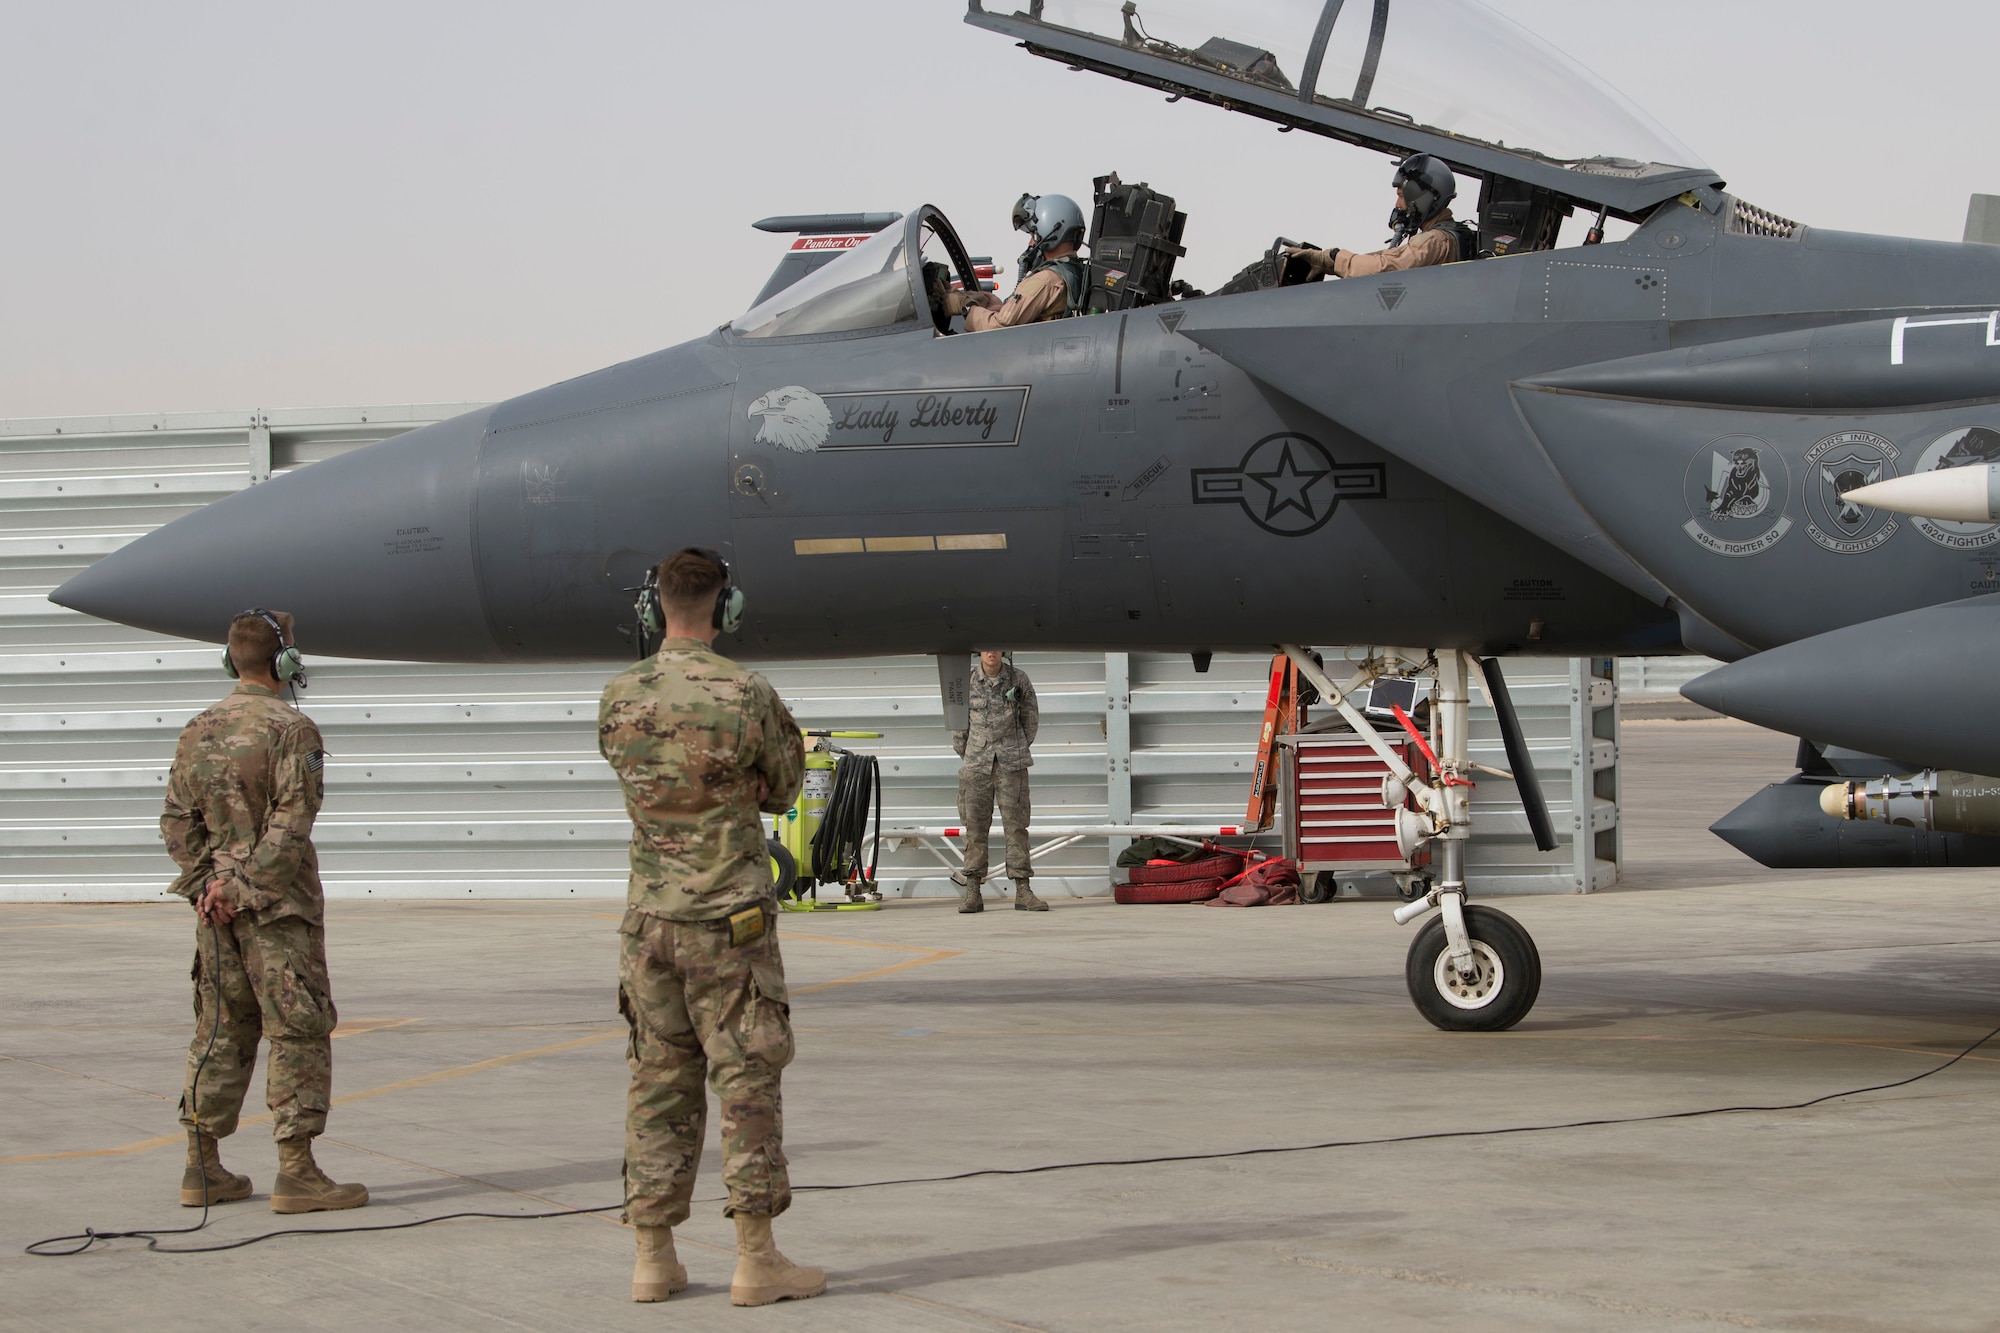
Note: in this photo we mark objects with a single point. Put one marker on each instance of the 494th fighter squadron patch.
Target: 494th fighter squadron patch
(1736, 490)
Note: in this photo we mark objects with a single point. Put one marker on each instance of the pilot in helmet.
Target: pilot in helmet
(1052, 278)
(1425, 233)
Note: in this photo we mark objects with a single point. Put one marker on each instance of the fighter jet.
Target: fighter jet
(1558, 445)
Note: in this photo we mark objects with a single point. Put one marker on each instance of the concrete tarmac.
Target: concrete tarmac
(479, 1068)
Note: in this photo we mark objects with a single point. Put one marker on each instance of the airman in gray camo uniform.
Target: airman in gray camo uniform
(700, 746)
(995, 750)
(245, 786)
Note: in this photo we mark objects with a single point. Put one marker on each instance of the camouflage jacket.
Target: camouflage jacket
(1001, 729)
(690, 733)
(246, 784)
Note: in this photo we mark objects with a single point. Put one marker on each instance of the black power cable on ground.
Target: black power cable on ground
(213, 1014)
(91, 1237)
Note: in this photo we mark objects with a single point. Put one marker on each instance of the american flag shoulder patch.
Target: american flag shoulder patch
(316, 761)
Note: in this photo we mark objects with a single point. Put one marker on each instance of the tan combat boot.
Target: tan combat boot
(969, 899)
(303, 1188)
(658, 1273)
(1025, 899)
(207, 1180)
(762, 1274)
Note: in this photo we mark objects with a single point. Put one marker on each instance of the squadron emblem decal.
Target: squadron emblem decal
(1965, 446)
(1736, 489)
(794, 418)
(1288, 484)
(1836, 465)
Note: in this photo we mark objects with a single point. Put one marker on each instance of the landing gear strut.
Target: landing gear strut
(1470, 969)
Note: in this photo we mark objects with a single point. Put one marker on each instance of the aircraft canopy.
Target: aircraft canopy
(894, 280)
(1454, 68)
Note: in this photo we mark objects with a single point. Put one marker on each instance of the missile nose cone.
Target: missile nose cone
(372, 552)
(1952, 494)
(1833, 799)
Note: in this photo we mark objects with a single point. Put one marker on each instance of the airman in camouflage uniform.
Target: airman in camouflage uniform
(700, 746)
(994, 747)
(245, 786)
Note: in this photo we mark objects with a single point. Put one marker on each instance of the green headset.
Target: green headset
(287, 667)
(728, 614)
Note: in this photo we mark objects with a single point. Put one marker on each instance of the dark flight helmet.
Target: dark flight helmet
(1425, 186)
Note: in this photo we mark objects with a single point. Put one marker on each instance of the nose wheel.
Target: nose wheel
(1493, 991)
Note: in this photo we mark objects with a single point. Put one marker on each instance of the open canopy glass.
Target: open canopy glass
(1451, 66)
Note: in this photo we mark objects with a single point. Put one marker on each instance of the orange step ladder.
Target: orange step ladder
(1281, 718)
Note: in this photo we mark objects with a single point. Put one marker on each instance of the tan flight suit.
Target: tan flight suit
(1039, 296)
(1432, 245)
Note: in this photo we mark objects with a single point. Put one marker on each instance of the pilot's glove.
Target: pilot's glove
(1319, 261)
(954, 303)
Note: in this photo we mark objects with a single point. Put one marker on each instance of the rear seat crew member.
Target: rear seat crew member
(1425, 232)
(1052, 280)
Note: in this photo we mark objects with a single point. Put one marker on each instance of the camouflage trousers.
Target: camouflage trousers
(274, 985)
(979, 789)
(699, 1006)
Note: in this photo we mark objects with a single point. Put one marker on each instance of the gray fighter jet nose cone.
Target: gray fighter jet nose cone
(371, 551)
(1919, 685)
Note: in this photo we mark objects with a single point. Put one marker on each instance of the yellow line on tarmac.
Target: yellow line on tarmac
(355, 1027)
(929, 956)
(476, 1067)
(80, 925)
(496, 1062)
(401, 1085)
(143, 1145)
(87, 1078)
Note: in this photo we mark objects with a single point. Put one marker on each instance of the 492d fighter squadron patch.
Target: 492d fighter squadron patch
(1962, 446)
(1736, 490)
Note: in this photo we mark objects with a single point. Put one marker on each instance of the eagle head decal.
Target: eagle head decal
(793, 418)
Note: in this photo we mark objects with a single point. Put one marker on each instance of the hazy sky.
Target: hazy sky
(236, 205)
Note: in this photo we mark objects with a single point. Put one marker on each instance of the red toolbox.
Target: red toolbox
(1334, 817)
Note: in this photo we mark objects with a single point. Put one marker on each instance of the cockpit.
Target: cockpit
(1451, 79)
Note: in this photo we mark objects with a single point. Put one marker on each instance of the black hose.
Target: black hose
(837, 845)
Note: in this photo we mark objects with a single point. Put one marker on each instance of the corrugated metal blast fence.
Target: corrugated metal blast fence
(450, 781)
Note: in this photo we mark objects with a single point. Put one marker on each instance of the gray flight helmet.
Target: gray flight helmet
(1051, 219)
(1426, 186)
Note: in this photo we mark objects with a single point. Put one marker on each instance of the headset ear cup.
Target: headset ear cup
(228, 666)
(285, 666)
(729, 610)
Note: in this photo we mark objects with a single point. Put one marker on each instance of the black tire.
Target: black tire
(784, 868)
(1320, 889)
(1224, 866)
(1484, 1007)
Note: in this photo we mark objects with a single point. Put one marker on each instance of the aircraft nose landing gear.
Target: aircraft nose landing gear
(1470, 969)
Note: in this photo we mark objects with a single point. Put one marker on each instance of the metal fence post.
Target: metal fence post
(1593, 721)
(260, 447)
(1117, 748)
